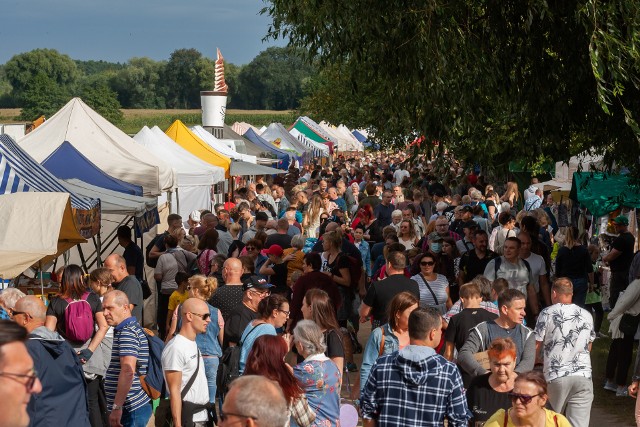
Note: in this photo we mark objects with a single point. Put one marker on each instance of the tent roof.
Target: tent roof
(240, 168)
(602, 193)
(217, 145)
(345, 143)
(344, 131)
(318, 149)
(67, 163)
(113, 202)
(196, 146)
(242, 127)
(313, 131)
(278, 135)
(20, 246)
(103, 144)
(360, 137)
(191, 170)
(283, 156)
(264, 157)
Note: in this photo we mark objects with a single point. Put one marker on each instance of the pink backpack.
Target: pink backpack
(78, 319)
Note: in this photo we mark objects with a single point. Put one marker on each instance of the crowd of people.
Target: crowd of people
(483, 307)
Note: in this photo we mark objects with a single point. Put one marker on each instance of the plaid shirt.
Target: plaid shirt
(401, 391)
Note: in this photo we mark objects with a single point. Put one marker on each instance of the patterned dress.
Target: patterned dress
(320, 379)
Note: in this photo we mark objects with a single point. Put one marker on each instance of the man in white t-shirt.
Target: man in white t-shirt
(538, 267)
(181, 358)
(400, 174)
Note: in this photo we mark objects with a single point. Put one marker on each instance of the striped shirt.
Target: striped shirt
(129, 340)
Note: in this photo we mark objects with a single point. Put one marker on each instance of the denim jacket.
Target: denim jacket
(366, 256)
(372, 350)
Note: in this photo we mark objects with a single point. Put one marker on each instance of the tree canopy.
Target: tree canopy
(494, 81)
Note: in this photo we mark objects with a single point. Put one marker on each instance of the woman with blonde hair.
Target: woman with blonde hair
(511, 195)
(209, 343)
(311, 220)
(294, 256)
(407, 234)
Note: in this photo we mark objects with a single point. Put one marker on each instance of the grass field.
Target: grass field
(134, 120)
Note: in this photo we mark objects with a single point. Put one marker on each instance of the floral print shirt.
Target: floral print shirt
(320, 379)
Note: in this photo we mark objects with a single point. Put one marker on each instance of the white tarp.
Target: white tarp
(564, 171)
(221, 146)
(195, 176)
(242, 127)
(280, 137)
(23, 244)
(112, 150)
(113, 202)
(319, 149)
(344, 143)
(344, 131)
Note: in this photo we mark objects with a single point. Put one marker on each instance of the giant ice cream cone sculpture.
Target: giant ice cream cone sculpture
(214, 103)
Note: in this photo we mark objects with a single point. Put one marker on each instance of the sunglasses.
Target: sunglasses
(428, 263)
(15, 313)
(251, 248)
(204, 316)
(525, 399)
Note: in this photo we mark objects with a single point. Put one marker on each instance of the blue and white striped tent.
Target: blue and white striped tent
(19, 172)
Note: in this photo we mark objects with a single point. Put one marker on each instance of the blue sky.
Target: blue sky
(117, 30)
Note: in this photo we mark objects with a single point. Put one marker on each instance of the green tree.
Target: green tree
(493, 80)
(273, 79)
(186, 74)
(43, 96)
(139, 84)
(102, 99)
(97, 67)
(21, 70)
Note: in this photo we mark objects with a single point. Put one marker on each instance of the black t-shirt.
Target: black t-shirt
(237, 322)
(334, 344)
(381, 293)
(133, 256)
(284, 240)
(279, 280)
(574, 262)
(132, 288)
(58, 305)
(623, 244)
(226, 299)
(473, 266)
(483, 401)
(461, 323)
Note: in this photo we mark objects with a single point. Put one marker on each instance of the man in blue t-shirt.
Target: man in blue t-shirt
(129, 358)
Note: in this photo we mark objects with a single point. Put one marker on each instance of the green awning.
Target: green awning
(602, 193)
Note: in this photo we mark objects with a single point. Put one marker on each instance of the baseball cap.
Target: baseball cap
(467, 208)
(273, 250)
(195, 216)
(435, 237)
(469, 224)
(621, 220)
(255, 282)
(262, 216)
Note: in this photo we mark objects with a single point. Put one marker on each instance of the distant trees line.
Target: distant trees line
(43, 80)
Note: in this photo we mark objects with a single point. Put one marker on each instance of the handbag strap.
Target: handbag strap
(433, 294)
(187, 387)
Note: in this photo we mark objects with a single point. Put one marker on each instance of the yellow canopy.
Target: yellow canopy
(196, 146)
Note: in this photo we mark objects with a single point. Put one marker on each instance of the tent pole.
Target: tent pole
(99, 252)
(82, 259)
(177, 202)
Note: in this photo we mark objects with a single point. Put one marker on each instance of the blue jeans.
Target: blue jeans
(211, 371)
(138, 418)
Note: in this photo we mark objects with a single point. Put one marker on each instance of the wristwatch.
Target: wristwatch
(116, 407)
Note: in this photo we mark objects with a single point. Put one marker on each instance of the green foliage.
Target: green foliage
(6, 90)
(22, 69)
(139, 84)
(494, 81)
(43, 96)
(103, 100)
(186, 74)
(97, 67)
(273, 80)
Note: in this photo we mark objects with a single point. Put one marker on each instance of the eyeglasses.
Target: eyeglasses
(428, 263)
(31, 377)
(15, 313)
(250, 248)
(204, 316)
(261, 293)
(287, 313)
(224, 416)
(525, 399)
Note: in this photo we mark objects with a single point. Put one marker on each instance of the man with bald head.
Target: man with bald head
(125, 282)
(228, 297)
(127, 401)
(181, 359)
(63, 400)
(255, 401)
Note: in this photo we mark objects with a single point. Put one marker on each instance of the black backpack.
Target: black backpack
(229, 368)
(152, 262)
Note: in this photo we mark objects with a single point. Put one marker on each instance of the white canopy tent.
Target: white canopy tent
(113, 202)
(564, 171)
(344, 131)
(50, 229)
(319, 150)
(344, 143)
(220, 146)
(112, 150)
(195, 176)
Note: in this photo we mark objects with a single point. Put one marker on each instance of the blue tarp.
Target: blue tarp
(365, 142)
(68, 163)
(283, 157)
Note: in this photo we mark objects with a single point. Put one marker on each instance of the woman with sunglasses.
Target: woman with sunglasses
(489, 392)
(434, 287)
(202, 287)
(273, 312)
(254, 250)
(266, 358)
(528, 400)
